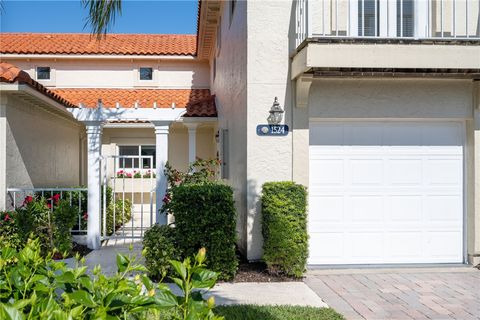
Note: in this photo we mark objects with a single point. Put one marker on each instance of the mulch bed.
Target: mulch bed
(257, 272)
(81, 249)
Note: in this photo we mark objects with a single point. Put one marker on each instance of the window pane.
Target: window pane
(146, 73)
(405, 15)
(149, 151)
(128, 151)
(43, 73)
(368, 18)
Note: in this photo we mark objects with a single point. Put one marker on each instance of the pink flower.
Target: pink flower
(55, 198)
(85, 216)
(49, 205)
(7, 217)
(27, 200)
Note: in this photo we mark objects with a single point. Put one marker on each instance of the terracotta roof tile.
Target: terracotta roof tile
(199, 102)
(84, 44)
(11, 74)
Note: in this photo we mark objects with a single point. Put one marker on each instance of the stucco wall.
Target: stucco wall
(229, 85)
(270, 39)
(119, 74)
(390, 98)
(42, 149)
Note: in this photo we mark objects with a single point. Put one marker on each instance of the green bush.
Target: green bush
(9, 230)
(160, 247)
(35, 287)
(205, 217)
(121, 216)
(50, 220)
(284, 228)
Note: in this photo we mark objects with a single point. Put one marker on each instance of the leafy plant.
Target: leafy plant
(64, 218)
(205, 217)
(284, 227)
(9, 230)
(160, 247)
(36, 287)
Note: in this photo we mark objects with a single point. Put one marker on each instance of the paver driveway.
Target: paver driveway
(420, 293)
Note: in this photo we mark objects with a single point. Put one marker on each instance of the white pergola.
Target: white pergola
(94, 120)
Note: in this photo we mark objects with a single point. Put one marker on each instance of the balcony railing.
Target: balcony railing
(388, 19)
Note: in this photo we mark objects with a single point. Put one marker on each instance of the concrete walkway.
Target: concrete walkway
(414, 293)
(286, 293)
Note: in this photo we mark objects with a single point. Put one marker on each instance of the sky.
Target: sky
(68, 16)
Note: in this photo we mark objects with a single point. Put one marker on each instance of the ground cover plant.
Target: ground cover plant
(33, 286)
(253, 312)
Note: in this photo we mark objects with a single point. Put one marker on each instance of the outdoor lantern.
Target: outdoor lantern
(276, 113)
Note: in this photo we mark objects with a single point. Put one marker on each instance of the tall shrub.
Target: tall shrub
(284, 227)
(205, 217)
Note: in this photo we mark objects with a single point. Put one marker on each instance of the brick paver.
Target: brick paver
(433, 293)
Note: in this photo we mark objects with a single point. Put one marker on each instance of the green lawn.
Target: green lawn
(252, 312)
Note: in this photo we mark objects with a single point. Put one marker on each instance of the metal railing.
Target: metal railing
(120, 173)
(392, 19)
(76, 196)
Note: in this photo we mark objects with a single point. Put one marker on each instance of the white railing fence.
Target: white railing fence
(131, 179)
(76, 196)
(389, 19)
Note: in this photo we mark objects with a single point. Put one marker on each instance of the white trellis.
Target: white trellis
(94, 119)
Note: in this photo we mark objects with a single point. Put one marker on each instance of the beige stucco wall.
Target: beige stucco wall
(42, 149)
(111, 73)
(270, 30)
(230, 87)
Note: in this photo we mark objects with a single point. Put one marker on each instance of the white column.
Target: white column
(3, 153)
(94, 145)
(192, 141)
(161, 136)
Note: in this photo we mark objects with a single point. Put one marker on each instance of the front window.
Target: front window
(132, 159)
(43, 73)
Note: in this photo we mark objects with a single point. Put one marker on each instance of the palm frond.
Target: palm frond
(101, 15)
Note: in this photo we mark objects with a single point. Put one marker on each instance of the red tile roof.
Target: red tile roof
(85, 44)
(11, 74)
(199, 102)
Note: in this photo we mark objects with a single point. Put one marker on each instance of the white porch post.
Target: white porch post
(3, 153)
(161, 138)
(94, 141)
(192, 141)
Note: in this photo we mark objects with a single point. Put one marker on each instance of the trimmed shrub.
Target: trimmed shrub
(160, 247)
(205, 217)
(284, 228)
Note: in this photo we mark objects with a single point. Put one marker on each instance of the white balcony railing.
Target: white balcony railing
(388, 19)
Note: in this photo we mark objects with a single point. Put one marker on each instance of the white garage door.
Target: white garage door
(386, 192)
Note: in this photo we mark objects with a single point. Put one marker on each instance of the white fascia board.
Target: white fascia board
(15, 87)
(128, 125)
(299, 63)
(126, 114)
(96, 56)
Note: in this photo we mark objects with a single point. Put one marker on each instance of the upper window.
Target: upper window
(146, 73)
(368, 18)
(43, 73)
(405, 18)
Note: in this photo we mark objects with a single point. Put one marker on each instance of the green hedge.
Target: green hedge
(284, 227)
(160, 247)
(205, 217)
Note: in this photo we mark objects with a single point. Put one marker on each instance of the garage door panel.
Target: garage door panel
(366, 171)
(405, 171)
(405, 208)
(386, 194)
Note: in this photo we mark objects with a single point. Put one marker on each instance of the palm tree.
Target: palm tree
(101, 15)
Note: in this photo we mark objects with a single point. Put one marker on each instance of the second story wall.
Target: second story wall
(124, 73)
